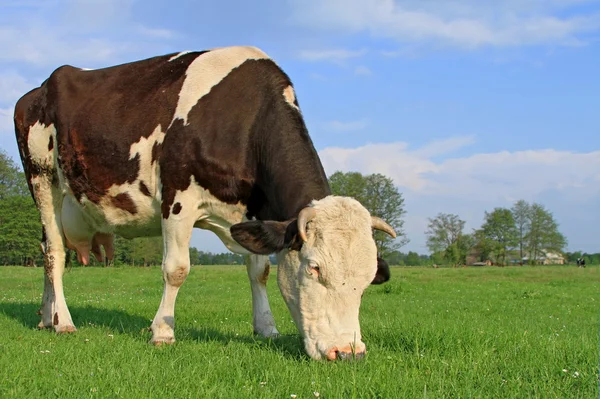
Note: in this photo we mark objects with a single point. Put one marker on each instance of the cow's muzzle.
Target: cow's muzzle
(347, 353)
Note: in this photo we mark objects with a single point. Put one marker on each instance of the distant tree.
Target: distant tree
(521, 211)
(395, 258)
(571, 257)
(12, 179)
(194, 256)
(445, 238)
(145, 251)
(381, 197)
(412, 259)
(20, 226)
(20, 231)
(443, 231)
(543, 233)
(483, 245)
(500, 233)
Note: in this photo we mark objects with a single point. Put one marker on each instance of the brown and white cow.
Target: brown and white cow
(211, 139)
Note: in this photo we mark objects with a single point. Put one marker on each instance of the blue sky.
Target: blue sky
(467, 105)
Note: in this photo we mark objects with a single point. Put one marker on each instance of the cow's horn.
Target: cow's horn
(379, 224)
(304, 217)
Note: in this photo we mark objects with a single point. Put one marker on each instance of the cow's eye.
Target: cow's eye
(314, 269)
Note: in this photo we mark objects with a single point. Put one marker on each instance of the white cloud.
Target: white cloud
(13, 86)
(84, 33)
(156, 32)
(362, 70)
(489, 176)
(469, 185)
(332, 55)
(466, 23)
(43, 47)
(340, 126)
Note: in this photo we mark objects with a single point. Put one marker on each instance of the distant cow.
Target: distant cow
(213, 140)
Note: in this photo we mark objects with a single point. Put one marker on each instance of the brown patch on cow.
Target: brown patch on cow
(144, 189)
(124, 201)
(94, 154)
(177, 208)
(264, 277)
(51, 143)
(177, 276)
(55, 320)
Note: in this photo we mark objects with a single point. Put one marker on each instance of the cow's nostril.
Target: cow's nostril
(332, 354)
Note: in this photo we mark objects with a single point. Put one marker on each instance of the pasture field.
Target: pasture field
(515, 332)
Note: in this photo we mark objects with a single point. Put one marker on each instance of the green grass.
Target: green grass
(431, 333)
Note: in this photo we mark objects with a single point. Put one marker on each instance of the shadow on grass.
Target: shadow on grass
(138, 328)
(290, 346)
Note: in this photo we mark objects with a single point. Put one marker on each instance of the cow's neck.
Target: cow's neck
(290, 172)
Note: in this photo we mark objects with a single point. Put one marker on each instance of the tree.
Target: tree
(500, 233)
(412, 259)
(20, 231)
(20, 226)
(445, 238)
(143, 251)
(543, 233)
(483, 245)
(12, 179)
(521, 211)
(378, 194)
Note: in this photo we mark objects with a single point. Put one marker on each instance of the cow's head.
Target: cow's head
(327, 258)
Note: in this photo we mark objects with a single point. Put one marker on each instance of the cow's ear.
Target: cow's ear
(383, 272)
(267, 237)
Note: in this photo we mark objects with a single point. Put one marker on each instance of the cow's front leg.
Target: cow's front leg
(258, 267)
(177, 232)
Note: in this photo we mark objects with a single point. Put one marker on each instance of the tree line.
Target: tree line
(524, 233)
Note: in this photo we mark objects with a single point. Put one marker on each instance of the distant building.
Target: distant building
(547, 258)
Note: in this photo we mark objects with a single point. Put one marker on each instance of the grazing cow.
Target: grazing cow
(213, 140)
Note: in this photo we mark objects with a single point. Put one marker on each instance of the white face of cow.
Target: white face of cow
(323, 282)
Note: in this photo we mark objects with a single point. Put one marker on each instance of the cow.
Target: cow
(214, 140)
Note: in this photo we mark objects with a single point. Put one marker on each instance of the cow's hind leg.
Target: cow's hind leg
(42, 176)
(54, 311)
(177, 232)
(258, 267)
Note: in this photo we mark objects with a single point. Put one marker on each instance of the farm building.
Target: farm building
(547, 258)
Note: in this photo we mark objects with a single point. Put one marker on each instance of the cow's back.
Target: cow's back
(126, 139)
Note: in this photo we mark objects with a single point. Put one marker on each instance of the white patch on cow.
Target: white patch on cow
(290, 96)
(206, 71)
(86, 69)
(325, 304)
(179, 55)
(143, 148)
(209, 213)
(38, 140)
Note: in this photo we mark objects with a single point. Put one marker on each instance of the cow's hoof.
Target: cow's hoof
(44, 326)
(270, 333)
(66, 329)
(162, 341)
